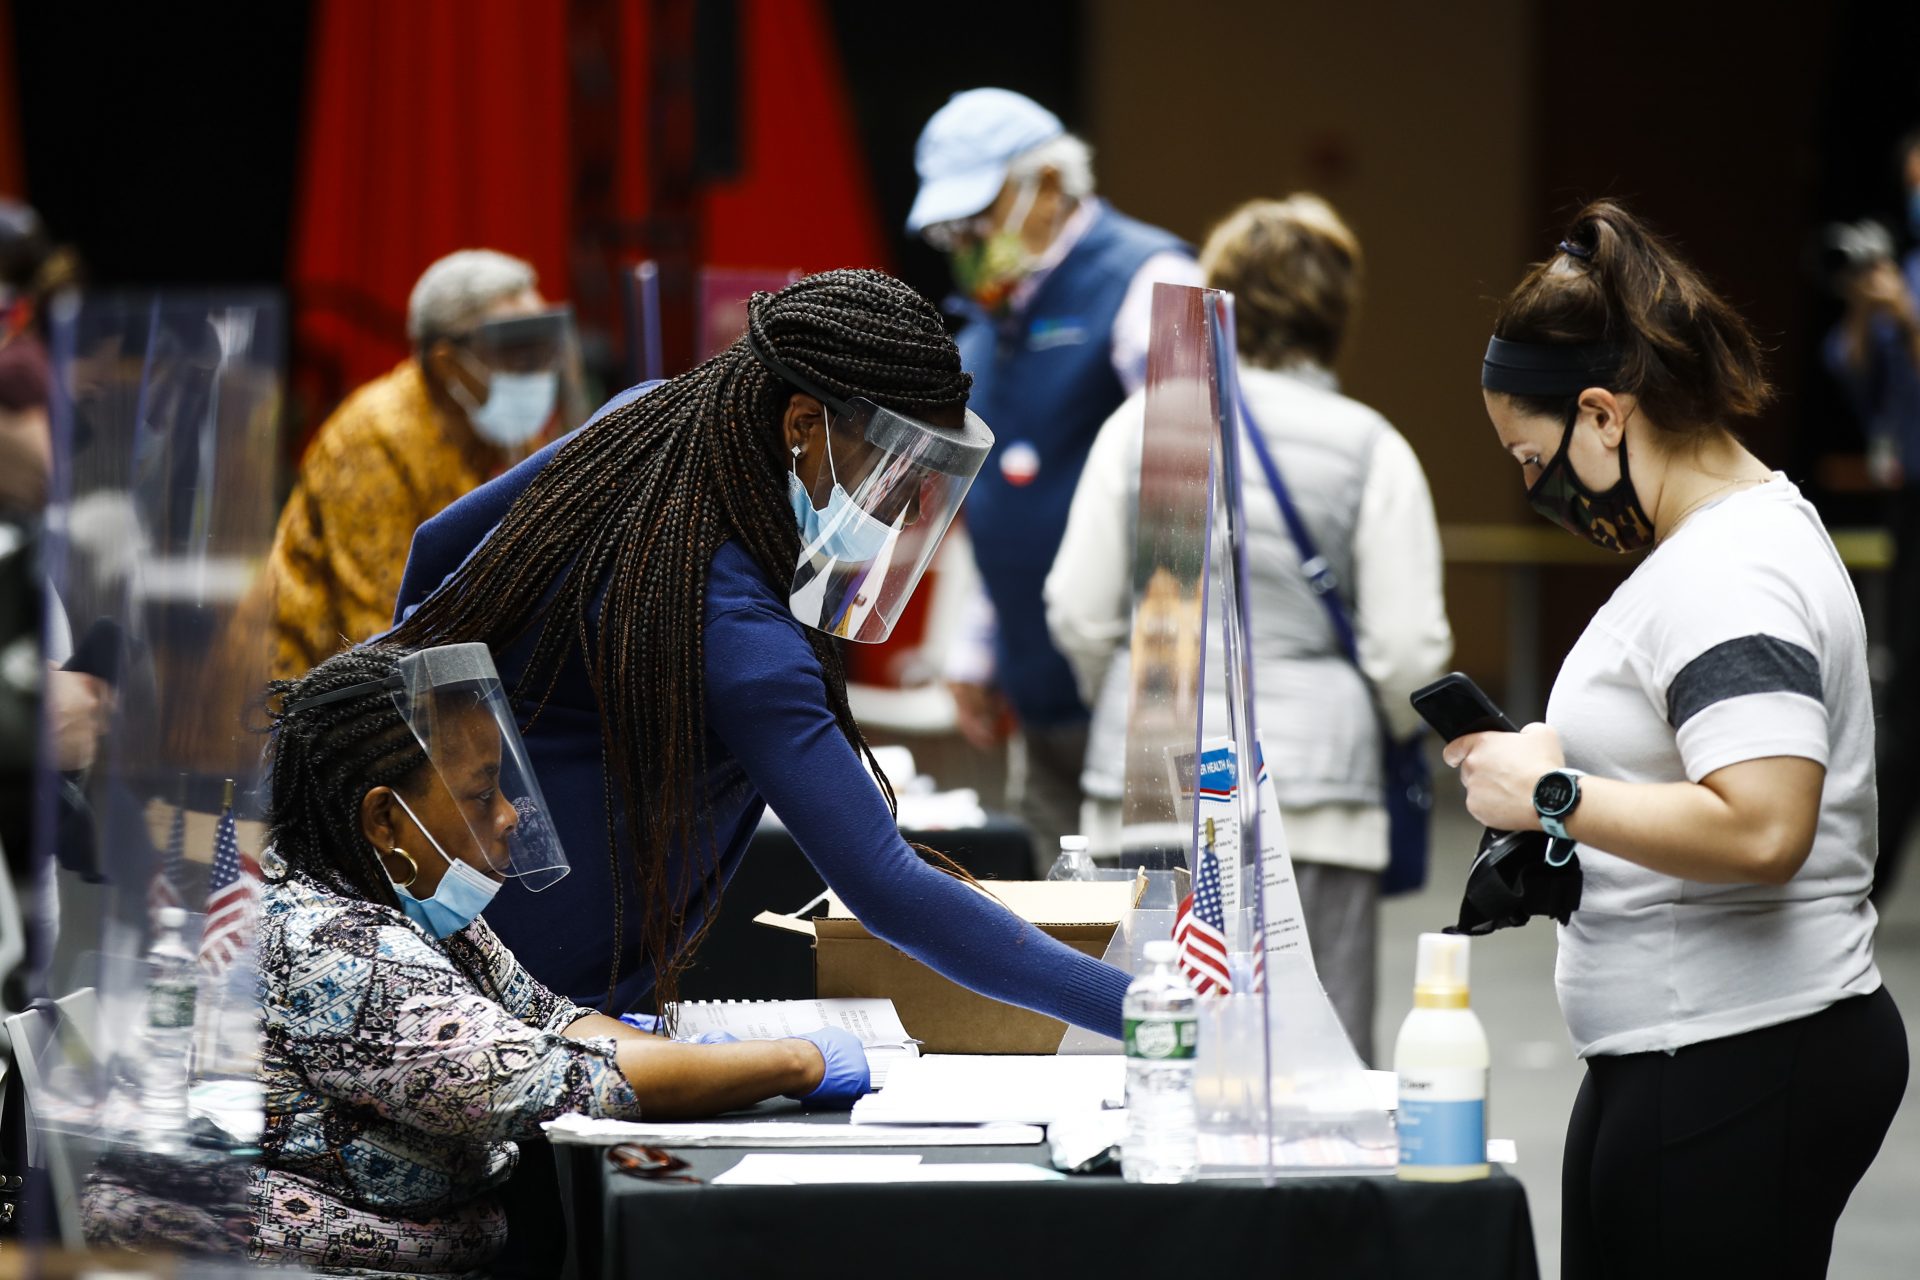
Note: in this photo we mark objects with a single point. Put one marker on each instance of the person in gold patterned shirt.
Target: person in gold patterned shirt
(478, 394)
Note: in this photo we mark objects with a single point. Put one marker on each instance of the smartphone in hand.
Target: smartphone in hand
(1454, 706)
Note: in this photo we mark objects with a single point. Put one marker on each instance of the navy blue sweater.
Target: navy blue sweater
(771, 739)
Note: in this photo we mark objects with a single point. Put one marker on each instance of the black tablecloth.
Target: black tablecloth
(1299, 1229)
(741, 960)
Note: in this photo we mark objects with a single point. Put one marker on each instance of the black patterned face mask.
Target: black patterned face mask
(1614, 520)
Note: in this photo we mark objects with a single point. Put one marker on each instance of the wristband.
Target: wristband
(1555, 797)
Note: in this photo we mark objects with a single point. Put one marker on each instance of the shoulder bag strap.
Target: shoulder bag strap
(1320, 576)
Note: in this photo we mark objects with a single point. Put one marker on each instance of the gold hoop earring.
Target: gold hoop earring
(413, 868)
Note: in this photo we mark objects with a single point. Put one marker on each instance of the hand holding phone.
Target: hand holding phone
(1454, 706)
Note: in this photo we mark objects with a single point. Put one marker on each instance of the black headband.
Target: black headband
(779, 370)
(1546, 369)
(342, 694)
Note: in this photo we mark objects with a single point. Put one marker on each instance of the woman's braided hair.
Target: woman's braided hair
(326, 758)
(635, 507)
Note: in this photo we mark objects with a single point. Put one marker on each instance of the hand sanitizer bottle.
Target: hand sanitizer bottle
(1442, 1061)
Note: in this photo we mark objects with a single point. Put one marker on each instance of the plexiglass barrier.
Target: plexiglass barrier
(140, 1056)
(1169, 578)
(1279, 1085)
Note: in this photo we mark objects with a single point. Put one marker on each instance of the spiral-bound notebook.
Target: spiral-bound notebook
(876, 1022)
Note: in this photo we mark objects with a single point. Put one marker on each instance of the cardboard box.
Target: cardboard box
(944, 1016)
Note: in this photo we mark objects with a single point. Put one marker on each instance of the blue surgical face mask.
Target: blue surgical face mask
(844, 531)
(517, 405)
(463, 893)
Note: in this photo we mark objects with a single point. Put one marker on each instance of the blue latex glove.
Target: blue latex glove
(715, 1037)
(847, 1077)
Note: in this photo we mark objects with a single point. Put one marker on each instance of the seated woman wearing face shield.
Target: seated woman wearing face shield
(664, 589)
(406, 1050)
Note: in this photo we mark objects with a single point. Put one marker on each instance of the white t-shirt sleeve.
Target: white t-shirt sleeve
(1735, 659)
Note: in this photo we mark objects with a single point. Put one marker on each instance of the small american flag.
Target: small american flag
(165, 889)
(232, 887)
(1259, 923)
(1200, 928)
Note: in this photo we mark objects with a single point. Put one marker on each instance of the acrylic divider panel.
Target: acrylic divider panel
(165, 428)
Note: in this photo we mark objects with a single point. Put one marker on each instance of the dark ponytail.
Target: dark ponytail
(1686, 355)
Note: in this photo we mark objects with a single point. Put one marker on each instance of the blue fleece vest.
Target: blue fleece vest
(1043, 379)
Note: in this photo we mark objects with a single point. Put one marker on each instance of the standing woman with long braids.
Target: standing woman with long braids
(663, 589)
(1711, 752)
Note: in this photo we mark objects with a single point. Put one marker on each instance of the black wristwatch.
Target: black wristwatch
(1555, 797)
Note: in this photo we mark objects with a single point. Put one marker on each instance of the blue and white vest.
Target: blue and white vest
(1043, 380)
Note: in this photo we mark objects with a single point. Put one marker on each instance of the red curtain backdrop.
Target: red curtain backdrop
(442, 124)
(13, 178)
(804, 197)
(432, 125)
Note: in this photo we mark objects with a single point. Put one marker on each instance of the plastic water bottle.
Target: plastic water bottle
(1163, 1034)
(172, 984)
(1441, 1058)
(1074, 862)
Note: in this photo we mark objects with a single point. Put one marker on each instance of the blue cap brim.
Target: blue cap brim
(955, 195)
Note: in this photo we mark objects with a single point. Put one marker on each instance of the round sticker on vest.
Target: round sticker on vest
(1019, 463)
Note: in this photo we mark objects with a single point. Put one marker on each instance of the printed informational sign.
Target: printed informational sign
(1218, 800)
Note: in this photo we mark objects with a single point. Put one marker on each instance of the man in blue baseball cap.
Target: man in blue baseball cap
(1056, 290)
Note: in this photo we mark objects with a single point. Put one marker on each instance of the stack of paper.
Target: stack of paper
(876, 1022)
(1015, 1089)
(762, 1170)
(579, 1130)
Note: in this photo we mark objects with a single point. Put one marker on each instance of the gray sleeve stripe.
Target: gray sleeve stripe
(1751, 664)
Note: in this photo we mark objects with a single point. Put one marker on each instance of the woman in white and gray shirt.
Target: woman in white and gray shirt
(1294, 269)
(1711, 750)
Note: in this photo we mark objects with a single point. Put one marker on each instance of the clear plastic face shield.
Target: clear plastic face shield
(881, 500)
(452, 699)
(527, 364)
(537, 342)
(483, 788)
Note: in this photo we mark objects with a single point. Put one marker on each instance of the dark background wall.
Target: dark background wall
(1738, 138)
(1456, 138)
(162, 144)
(1411, 119)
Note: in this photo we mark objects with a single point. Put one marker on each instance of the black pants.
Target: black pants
(536, 1220)
(1733, 1157)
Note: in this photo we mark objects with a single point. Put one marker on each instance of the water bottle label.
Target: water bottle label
(170, 1007)
(1168, 1039)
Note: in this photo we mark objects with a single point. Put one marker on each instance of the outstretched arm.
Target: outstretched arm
(767, 700)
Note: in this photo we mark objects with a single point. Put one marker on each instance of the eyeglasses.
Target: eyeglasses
(650, 1163)
(947, 236)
